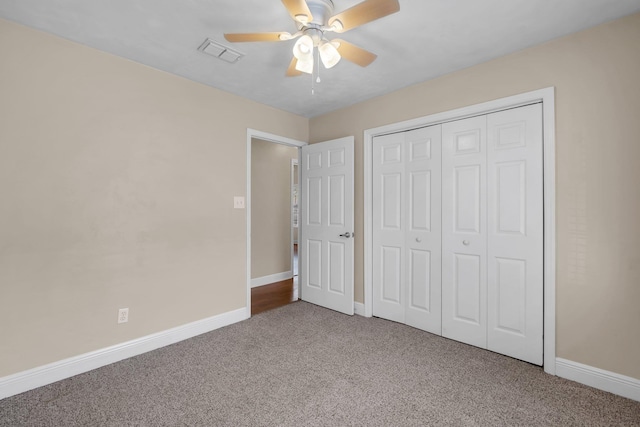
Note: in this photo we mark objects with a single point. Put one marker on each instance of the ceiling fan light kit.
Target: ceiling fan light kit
(313, 19)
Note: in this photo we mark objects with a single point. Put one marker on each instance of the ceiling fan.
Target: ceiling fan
(313, 19)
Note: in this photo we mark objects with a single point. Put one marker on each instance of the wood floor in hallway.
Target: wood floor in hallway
(271, 296)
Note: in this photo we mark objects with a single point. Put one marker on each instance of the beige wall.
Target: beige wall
(270, 207)
(597, 78)
(117, 184)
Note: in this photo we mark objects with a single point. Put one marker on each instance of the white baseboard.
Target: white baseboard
(272, 278)
(599, 378)
(358, 308)
(56, 371)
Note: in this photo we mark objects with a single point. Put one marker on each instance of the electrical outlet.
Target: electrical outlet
(238, 202)
(123, 315)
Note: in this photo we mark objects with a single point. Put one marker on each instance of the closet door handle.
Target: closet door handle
(466, 242)
(347, 235)
(418, 239)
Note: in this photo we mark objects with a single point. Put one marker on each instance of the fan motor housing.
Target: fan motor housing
(321, 10)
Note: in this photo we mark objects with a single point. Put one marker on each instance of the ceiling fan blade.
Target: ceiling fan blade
(257, 37)
(298, 10)
(367, 11)
(353, 53)
(291, 71)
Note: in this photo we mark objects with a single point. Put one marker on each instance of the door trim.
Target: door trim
(277, 139)
(547, 97)
(294, 265)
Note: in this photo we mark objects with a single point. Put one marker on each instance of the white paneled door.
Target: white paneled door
(458, 230)
(492, 240)
(515, 233)
(406, 218)
(464, 231)
(327, 224)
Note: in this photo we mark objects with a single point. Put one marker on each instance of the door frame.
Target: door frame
(277, 139)
(295, 165)
(547, 97)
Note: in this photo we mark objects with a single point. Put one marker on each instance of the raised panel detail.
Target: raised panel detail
(420, 150)
(314, 202)
(511, 135)
(511, 197)
(336, 268)
(467, 142)
(466, 199)
(419, 279)
(336, 158)
(336, 200)
(314, 261)
(420, 201)
(390, 274)
(314, 161)
(391, 196)
(466, 288)
(511, 295)
(391, 154)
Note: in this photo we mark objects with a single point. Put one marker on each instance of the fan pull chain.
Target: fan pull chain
(317, 76)
(318, 62)
(313, 92)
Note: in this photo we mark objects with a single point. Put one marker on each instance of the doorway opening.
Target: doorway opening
(271, 255)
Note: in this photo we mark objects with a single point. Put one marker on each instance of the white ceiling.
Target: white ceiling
(426, 39)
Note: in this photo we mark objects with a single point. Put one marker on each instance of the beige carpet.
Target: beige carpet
(302, 365)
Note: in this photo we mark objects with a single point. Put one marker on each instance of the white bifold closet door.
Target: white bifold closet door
(464, 231)
(492, 232)
(406, 218)
(516, 233)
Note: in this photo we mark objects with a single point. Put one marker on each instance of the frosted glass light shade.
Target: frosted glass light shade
(305, 65)
(303, 49)
(329, 54)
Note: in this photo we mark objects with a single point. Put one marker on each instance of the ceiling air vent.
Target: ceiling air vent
(220, 51)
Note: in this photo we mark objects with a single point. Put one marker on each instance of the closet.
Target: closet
(458, 230)
(406, 238)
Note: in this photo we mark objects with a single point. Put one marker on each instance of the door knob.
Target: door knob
(418, 239)
(347, 235)
(465, 242)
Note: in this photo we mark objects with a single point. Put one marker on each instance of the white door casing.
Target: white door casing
(407, 231)
(464, 231)
(327, 224)
(515, 233)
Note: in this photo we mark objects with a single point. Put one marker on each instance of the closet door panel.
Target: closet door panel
(515, 233)
(464, 233)
(420, 282)
(423, 231)
(389, 227)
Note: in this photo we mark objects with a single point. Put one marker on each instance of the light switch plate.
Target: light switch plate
(238, 202)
